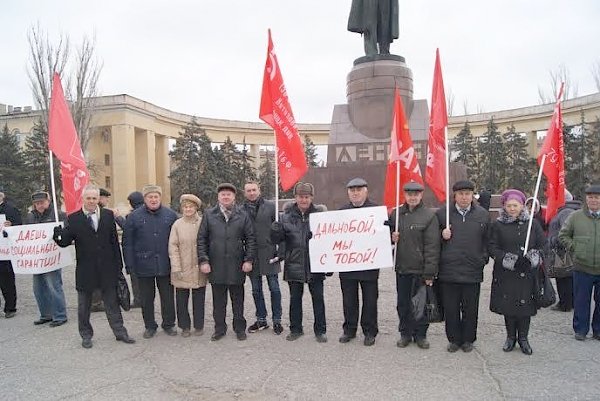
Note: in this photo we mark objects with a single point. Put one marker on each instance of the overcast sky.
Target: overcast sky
(206, 57)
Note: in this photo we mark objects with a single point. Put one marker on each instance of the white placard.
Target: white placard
(33, 251)
(350, 240)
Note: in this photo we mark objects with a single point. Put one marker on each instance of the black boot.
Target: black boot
(511, 333)
(523, 328)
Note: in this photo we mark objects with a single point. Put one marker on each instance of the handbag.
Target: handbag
(545, 295)
(561, 266)
(425, 306)
(123, 293)
(433, 313)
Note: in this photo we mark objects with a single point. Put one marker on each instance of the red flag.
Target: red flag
(63, 142)
(276, 111)
(435, 173)
(554, 166)
(403, 152)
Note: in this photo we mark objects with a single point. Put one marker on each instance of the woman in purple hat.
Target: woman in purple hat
(513, 285)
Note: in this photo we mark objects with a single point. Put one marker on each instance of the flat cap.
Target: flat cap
(463, 184)
(413, 187)
(148, 189)
(104, 192)
(40, 195)
(357, 183)
(304, 188)
(226, 186)
(593, 189)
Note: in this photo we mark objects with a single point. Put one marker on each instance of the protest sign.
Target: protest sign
(33, 251)
(350, 240)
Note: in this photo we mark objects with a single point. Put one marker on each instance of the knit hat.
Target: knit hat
(304, 188)
(512, 194)
(568, 196)
(150, 188)
(191, 198)
(135, 199)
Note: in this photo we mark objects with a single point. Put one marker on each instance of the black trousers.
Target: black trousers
(318, 300)
(564, 287)
(112, 309)
(182, 296)
(408, 326)
(219, 294)
(517, 327)
(461, 308)
(368, 315)
(135, 289)
(9, 290)
(167, 301)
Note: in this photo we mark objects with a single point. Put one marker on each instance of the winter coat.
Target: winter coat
(14, 216)
(365, 14)
(513, 291)
(265, 249)
(581, 235)
(98, 254)
(418, 249)
(35, 217)
(226, 245)
(553, 243)
(293, 239)
(146, 241)
(183, 252)
(365, 275)
(465, 254)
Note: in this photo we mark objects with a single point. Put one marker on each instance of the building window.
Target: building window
(107, 182)
(107, 160)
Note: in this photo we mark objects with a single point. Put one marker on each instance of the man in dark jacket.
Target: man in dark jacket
(99, 263)
(262, 214)
(47, 287)
(464, 254)
(146, 252)
(358, 195)
(7, 275)
(417, 254)
(226, 250)
(97, 304)
(292, 234)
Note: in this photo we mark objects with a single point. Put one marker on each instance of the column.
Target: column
(254, 151)
(163, 167)
(532, 144)
(123, 168)
(145, 157)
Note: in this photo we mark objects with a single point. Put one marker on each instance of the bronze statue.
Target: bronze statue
(377, 21)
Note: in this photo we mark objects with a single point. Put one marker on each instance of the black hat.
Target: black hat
(356, 183)
(40, 195)
(104, 192)
(226, 186)
(463, 184)
(593, 189)
(413, 187)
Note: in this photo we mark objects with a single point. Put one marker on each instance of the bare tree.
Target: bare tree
(596, 74)
(558, 76)
(450, 102)
(465, 107)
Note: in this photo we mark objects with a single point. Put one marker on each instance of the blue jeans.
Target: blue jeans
(259, 299)
(583, 284)
(49, 295)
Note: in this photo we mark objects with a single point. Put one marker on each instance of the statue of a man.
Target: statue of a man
(377, 21)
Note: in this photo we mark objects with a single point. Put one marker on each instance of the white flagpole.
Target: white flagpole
(397, 204)
(53, 185)
(447, 161)
(535, 199)
(276, 179)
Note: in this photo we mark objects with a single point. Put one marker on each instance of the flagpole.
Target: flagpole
(397, 204)
(276, 179)
(53, 185)
(447, 161)
(535, 196)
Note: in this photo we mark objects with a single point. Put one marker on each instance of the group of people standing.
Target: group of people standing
(228, 242)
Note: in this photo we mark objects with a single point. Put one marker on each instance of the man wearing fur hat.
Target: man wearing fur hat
(463, 257)
(146, 253)
(293, 233)
(226, 250)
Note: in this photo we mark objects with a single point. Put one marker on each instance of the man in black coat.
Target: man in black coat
(463, 257)
(358, 195)
(226, 250)
(98, 263)
(262, 214)
(7, 275)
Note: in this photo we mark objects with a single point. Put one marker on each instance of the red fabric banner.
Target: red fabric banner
(403, 152)
(275, 110)
(554, 166)
(64, 143)
(435, 173)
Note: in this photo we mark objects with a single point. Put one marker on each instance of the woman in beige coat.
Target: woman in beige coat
(185, 273)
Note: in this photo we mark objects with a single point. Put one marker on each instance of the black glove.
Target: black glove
(58, 231)
(328, 274)
(4, 234)
(277, 226)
